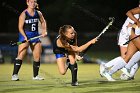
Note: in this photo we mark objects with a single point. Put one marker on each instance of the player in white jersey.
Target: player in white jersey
(124, 37)
(136, 43)
(118, 63)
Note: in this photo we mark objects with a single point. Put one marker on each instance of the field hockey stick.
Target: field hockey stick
(131, 40)
(21, 42)
(133, 26)
(103, 31)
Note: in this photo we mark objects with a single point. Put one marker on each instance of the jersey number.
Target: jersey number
(33, 27)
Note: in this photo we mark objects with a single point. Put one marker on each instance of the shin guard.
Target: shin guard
(74, 69)
(36, 66)
(17, 65)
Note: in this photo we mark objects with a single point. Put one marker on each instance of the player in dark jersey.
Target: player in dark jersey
(28, 28)
(65, 49)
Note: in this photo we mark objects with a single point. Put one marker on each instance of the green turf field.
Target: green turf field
(88, 76)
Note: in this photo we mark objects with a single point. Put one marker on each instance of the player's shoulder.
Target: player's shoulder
(135, 9)
(23, 13)
(39, 12)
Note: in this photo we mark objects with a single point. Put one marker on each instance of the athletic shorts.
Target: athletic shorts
(123, 37)
(59, 55)
(29, 35)
(137, 30)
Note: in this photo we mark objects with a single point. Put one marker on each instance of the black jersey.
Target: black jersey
(60, 50)
(31, 22)
(56, 49)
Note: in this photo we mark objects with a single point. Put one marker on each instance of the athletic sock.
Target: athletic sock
(67, 64)
(36, 66)
(74, 69)
(135, 58)
(17, 65)
(134, 69)
(120, 64)
(112, 62)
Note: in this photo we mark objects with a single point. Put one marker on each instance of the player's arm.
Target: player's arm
(83, 47)
(43, 24)
(21, 24)
(131, 14)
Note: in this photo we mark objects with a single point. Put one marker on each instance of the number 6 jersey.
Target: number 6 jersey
(31, 22)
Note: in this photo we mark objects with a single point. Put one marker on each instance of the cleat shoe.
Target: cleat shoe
(108, 76)
(102, 69)
(74, 83)
(15, 77)
(131, 78)
(38, 78)
(125, 77)
(125, 71)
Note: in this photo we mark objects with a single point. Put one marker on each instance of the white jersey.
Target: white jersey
(126, 32)
(128, 20)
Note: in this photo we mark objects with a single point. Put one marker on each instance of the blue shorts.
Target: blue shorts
(29, 35)
(59, 55)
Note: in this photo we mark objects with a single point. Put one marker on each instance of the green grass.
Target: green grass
(88, 77)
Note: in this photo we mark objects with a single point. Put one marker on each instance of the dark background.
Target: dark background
(88, 17)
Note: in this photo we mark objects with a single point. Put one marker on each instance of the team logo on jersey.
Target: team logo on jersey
(31, 21)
